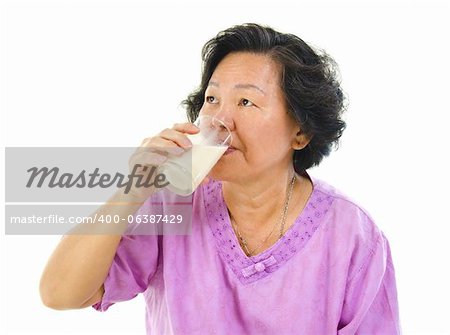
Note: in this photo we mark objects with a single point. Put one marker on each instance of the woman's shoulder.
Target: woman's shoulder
(347, 216)
(344, 199)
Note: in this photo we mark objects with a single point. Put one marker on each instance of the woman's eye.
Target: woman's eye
(246, 103)
(210, 99)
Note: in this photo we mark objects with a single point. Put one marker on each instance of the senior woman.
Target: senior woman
(272, 249)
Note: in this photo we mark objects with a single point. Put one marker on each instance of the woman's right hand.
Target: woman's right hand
(154, 150)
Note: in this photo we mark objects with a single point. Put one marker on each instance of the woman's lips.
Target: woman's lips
(229, 150)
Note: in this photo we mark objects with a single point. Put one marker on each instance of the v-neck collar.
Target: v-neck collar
(250, 269)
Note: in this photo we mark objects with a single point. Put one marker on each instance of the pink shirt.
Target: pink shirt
(331, 273)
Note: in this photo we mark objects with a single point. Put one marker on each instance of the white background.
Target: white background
(98, 73)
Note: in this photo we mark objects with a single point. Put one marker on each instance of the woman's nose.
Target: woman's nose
(223, 115)
(225, 122)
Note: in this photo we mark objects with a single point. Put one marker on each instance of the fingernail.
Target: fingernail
(160, 159)
(178, 150)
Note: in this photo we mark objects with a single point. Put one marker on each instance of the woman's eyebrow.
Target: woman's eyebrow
(240, 86)
(247, 86)
(213, 83)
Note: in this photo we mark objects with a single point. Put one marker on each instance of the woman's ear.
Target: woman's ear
(301, 140)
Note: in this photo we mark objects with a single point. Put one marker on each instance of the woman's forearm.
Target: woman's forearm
(75, 272)
(79, 265)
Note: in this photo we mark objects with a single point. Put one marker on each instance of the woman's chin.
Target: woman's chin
(222, 173)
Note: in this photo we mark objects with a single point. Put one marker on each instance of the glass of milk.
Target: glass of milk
(186, 172)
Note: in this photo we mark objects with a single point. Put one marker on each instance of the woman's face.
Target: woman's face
(244, 92)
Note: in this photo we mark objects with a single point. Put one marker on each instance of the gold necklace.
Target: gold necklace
(243, 242)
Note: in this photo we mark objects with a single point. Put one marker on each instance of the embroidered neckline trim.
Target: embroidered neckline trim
(250, 269)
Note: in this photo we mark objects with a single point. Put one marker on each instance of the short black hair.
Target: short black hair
(310, 82)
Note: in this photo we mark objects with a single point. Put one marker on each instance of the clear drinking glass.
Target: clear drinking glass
(186, 172)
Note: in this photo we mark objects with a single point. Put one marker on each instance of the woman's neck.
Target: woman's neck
(258, 201)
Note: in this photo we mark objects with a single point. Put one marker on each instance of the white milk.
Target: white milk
(187, 171)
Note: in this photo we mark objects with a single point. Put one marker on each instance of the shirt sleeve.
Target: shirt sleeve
(134, 265)
(371, 305)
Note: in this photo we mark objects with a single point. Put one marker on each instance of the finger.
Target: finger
(147, 159)
(177, 137)
(173, 137)
(186, 127)
(152, 159)
(163, 146)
